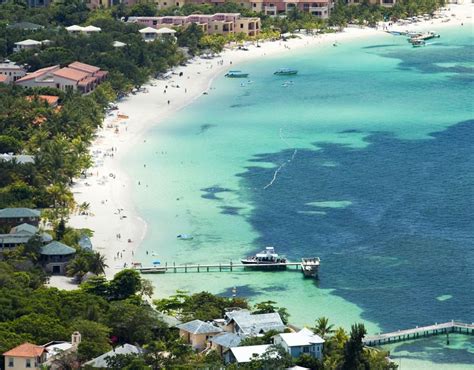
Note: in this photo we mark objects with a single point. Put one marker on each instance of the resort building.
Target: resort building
(76, 76)
(76, 30)
(10, 72)
(10, 217)
(20, 235)
(244, 322)
(302, 342)
(101, 361)
(320, 8)
(151, 34)
(219, 23)
(198, 333)
(55, 256)
(26, 356)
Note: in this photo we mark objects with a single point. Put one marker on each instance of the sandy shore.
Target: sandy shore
(118, 229)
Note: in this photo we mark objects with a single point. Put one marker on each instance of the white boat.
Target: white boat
(267, 258)
(185, 237)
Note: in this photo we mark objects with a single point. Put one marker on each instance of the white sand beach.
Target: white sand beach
(118, 229)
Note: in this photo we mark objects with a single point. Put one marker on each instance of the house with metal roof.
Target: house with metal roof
(198, 333)
(221, 343)
(16, 216)
(245, 354)
(246, 323)
(302, 342)
(55, 256)
(20, 235)
(101, 361)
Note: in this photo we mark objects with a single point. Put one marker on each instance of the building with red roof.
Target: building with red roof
(25, 356)
(76, 76)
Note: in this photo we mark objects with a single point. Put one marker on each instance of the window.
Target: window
(11, 363)
(305, 349)
(254, 5)
(241, 25)
(155, 23)
(28, 362)
(215, 27)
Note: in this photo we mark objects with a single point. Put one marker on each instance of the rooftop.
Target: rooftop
(125, 349)
(56, 248)
(84, 67)
(227, 340)
(38, 73)
(199, 327)
(28, 42)
(247, 353)
(10, 65)
(24, 229)
(71, 74)
(255, 323)
(304, 337)
(50, 99)
(148, 30)
(18, 213)
(25, 26)
(25, 350)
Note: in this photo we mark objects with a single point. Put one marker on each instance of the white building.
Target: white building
(10, 72)
(75, 29)
(302, 342)
(149, 34)
(245, 354)
(27, 45)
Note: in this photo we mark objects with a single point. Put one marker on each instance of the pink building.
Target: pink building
(219, 23)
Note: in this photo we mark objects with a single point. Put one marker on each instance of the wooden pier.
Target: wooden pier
(419, 332)
(220, 267)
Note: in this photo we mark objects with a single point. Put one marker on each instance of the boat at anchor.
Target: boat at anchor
(267, 258)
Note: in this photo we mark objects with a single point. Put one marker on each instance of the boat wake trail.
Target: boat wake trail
(275, 174)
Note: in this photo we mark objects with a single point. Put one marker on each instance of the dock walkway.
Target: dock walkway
(418, 332)
(216, 267)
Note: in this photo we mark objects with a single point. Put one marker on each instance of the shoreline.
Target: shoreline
(108, 188)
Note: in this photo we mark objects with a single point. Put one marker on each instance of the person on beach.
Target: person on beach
(169, 102)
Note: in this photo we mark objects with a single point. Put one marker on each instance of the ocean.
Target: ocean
(364, 159)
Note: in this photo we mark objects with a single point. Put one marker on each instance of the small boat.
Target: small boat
(267, 258)
(285, 72)
(185, 237)
(236, 74)
(310, 267)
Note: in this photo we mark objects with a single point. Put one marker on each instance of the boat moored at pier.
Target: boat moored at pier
(310, 267)
(267, 258)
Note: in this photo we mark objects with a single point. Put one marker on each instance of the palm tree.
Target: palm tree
(97, 263)
(323, 328)
(77, 268)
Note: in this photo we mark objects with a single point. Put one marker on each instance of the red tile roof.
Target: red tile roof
(71, 74)
(38, 73)
(88, 80)
(25, 350)
(84, 67)
(50, 99)
(101, 73)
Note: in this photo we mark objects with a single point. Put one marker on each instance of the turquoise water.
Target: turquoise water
(365, 161)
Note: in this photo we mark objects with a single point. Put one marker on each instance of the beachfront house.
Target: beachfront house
(76, 77)
(20, 235)
(10, 72)
(221, 343)
(244, 322)
(55, 256)
(198, 333)
(26, 356)
(10, 217)
(101, 361)
(244, 354)
(301, 342)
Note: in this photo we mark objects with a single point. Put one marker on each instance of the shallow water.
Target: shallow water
(364, 160)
